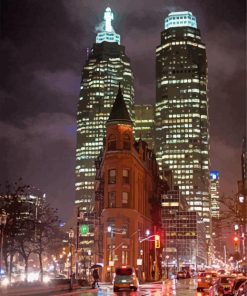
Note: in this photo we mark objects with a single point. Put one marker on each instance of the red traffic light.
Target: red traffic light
(235, 239)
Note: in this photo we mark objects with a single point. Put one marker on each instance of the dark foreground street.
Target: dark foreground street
(169, 288)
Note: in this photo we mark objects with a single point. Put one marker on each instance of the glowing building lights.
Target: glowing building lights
(107, 66)
(108, 34)
(214, 191)
(180, 19)
(181, 110)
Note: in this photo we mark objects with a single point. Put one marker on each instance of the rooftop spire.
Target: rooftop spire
(108, 17)
(119, 112)
(107, 32)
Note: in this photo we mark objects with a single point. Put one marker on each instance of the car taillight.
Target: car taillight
(199, 280)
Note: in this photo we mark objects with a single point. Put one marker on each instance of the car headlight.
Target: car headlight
(5, 282)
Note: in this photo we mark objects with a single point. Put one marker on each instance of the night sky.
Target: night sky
(43, 49)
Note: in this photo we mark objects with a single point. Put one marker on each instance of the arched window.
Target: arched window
(112, 143)
(126, 142)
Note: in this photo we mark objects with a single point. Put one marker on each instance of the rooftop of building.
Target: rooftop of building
(119, 112)
(180, 19)
(107, 32)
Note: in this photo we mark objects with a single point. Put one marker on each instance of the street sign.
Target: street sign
(84, 229)
(111, 263)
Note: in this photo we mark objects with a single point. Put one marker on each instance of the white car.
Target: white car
(125, 278)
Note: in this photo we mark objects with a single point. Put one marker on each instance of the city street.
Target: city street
(179, 288)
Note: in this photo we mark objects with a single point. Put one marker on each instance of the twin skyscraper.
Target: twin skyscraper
(181, 123)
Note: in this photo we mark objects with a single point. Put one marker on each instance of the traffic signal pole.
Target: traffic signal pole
(155, 257)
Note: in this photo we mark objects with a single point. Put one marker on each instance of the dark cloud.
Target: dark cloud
(43, 49)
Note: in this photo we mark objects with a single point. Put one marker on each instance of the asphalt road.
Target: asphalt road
(185, 287)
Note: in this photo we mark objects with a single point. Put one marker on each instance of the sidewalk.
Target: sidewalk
(38, 290)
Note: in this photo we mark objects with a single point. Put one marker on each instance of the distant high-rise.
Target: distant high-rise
(215, 195)
(181, 113)
(107, 65)
(144, 123)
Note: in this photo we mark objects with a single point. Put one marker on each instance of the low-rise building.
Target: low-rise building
(128, 192)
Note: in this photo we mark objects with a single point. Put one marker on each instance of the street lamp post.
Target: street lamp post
(167, 267)
(243, 208)
(111, 261)
(89, 254)
(3, 220)
(147, 232)
(71, 237)
(141, 266)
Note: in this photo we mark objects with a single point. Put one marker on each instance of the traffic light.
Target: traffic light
(157, 241)
(235, 243)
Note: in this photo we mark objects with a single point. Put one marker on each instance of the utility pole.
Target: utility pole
(3, 220)
(71, 237)
(243, 202)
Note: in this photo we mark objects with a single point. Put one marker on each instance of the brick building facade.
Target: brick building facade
(129, 203)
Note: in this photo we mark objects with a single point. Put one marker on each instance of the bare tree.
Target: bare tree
(48, 236)
(32, 226)
(11, 203)
(231, 210)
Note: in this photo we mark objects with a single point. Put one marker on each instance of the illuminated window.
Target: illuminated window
(112, 176)
(125, 254)
(126, 142)
(125, 176)
(125, 199)
(112, 199)
(112, 143)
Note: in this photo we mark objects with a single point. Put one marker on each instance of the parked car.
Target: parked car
(181, 275)
(125, 278)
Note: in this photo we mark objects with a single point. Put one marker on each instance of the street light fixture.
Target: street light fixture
(111, 261)
(3, 221)
(71, 237)
(147, 232)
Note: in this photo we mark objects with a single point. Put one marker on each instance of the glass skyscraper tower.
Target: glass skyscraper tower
(181, 110)
(107, 65)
